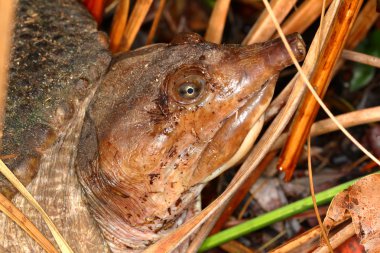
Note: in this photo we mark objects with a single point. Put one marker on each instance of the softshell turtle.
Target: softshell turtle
(143, 133)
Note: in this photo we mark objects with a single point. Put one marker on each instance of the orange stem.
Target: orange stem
(297, 21)
(118, 25)
(263, 29)
(217, 21)
(140, 10)
(156, 20)
(320, 79)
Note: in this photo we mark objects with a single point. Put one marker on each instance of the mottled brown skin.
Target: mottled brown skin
(164, 122)
(58, 57)
(58, 60)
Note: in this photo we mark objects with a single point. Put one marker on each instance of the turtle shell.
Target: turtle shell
(58, 60)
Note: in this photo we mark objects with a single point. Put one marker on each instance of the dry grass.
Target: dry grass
(263, 29)
(156, 20)
(217, 21)
(138, 15)
(118, 25)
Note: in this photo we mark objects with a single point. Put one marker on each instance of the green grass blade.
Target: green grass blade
(271, 217)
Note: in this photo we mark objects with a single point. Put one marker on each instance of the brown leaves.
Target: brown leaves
(361, 202)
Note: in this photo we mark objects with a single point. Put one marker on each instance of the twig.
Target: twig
(19, 218)
(311, 236)
(347, 120)
(361, 58)
(272, 240)
(310, 87)
(303, 239)
(320, 80)
(263, 29)
(156, 20)
(217, 21)
(321, 22)
(6, 26)
(234, 246)
(309, 166)
(363, 23)
(337, 239)
(118, 24)
(297, 21)
(111, 7)
(138, 15)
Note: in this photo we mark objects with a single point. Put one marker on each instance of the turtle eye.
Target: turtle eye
(187, 85)
(191, 90)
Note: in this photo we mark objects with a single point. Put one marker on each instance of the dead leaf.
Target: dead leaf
(361, 202)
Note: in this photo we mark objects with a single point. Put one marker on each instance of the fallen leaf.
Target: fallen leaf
(361, 202)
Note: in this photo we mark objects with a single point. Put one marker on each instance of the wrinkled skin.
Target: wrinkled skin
(166, 120)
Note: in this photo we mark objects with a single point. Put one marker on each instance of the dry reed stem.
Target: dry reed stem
(156, 20)
(264, 29)
(320, 79)
(62, 244)
(272, 240)
(19, 218)
(213, 211)
(118, 24)
(110, 7)
(140, 10)
(347, 120)
(309, 236)
(234, 246)
(217, 21)
(361, 58)
(201, 234)
(364, 22)
(311, 89)
(297, 21)
(6, 26)
(339, 238)
(311, 184)
(312, 235)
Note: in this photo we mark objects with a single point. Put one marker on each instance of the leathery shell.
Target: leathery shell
(58, 59)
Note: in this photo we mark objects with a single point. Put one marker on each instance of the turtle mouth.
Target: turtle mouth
(247, 121)
(253, 96)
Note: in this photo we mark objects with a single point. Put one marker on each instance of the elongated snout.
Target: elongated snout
(279, 58)
(273, 54)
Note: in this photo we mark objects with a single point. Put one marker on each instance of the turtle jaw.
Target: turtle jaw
(235, 137)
